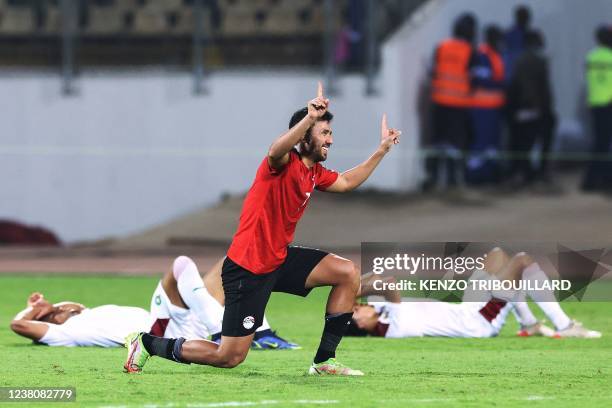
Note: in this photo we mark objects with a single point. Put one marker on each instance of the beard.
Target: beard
(313, 152)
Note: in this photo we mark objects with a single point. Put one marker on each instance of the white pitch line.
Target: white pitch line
(538, 398)
(228, 404)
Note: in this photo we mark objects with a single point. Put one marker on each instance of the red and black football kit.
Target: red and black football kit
(260, 260)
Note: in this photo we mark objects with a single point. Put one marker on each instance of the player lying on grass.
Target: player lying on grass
(72, 324)
(260, 259)
(186, 304)
(180, 306)
(479, 315)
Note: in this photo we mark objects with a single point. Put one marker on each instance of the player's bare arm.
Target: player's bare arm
(26, 323)
(353, 178)
(30, 321)
(278, 154)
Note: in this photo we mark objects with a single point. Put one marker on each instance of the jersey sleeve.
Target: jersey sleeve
(293, 155)
(325, 177)
(57, 336)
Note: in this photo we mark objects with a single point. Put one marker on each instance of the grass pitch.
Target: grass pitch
(504, 371)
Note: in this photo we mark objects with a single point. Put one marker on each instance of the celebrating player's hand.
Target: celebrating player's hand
(388, 137)
(318, 106)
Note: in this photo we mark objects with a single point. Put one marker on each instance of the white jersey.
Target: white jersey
(171, 321)
(104, 326)
(418, 318)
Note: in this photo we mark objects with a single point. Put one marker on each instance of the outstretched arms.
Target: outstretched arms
(278, 154)
(353, 178)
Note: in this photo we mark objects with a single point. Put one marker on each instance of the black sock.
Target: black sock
(335, 327)
(169, 349)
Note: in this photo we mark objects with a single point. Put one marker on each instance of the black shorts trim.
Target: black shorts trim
(247, 294)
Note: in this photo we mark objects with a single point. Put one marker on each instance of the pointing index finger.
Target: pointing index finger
(320, 90)
(384, 122)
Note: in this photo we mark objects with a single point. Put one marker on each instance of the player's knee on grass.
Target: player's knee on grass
(233, 360)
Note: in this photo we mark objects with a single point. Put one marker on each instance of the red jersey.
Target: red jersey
(271, 210)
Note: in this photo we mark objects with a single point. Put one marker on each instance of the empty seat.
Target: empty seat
(238, 24)
(148, 22)
(186, 22)
(163, 5)
(104, 20)
(53, 20)
(16, 20)
(281, 22)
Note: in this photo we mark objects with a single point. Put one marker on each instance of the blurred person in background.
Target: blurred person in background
(349, 47)
(598, 176)
(488, 100)
(514, 41)
(531, 112)
(451, 94)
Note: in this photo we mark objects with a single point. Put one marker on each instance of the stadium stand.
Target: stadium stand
(160, 32)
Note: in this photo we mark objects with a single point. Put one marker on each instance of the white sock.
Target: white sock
(523, 314)
(264, 325)
(545, 299)
(194, 294)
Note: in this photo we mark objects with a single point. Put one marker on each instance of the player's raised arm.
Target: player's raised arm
(278, 154)
(353, 178)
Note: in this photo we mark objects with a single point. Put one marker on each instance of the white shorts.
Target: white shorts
(173, 320)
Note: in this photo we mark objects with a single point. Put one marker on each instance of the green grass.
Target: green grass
(504, 371)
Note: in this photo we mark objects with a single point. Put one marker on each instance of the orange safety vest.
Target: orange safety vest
(490, 98)
(451, 76)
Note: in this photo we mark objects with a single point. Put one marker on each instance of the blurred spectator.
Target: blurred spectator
(347, 40)
(488, 101)
(452, 100)
(530, 106)
(599, 79)
(515, 38)
(356, 19)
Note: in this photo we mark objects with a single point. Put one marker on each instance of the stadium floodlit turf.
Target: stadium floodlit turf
(504, 371)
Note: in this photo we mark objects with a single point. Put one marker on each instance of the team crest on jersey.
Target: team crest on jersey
(158, 300)
(248, 322)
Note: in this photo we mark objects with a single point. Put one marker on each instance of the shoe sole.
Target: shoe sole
(314, 371)
(127, 367)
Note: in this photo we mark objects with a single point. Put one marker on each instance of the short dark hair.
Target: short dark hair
(603, 35)
(522, 16)
(301, 114)
(493, 34)
(465, 27)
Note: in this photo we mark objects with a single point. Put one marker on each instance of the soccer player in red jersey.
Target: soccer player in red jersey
(261, 260)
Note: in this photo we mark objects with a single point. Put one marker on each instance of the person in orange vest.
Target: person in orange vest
(488, 101)
(451, 95)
